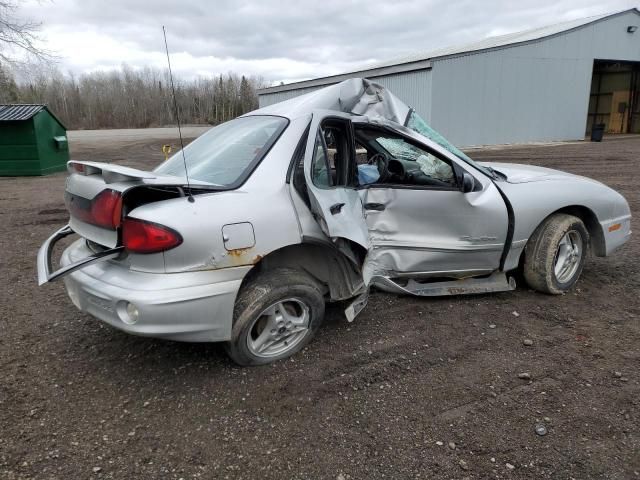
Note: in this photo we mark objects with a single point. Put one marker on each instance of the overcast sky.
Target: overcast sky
(280, 40)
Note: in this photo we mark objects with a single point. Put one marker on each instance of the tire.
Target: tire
(270, 315)
(555, 254)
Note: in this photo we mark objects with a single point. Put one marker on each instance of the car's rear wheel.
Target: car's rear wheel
(555, 254)
(276, 315)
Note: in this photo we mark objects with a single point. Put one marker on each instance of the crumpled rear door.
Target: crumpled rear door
(337, 209)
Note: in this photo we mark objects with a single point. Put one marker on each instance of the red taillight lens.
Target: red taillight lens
(139, 236)
(105, 210)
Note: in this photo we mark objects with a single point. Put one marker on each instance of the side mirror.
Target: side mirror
(468, 183)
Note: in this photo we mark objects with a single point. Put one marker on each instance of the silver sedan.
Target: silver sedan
(245, 235)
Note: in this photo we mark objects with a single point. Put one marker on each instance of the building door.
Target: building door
(615, 97)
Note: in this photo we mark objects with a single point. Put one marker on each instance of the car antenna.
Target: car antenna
(175, 107)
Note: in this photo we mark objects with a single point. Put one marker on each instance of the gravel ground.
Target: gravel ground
(414, 388)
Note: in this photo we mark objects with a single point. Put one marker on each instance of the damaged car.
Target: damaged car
(244, 235)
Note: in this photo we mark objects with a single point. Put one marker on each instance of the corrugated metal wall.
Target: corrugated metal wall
(266, 99)
(529, 93)
(413, 88)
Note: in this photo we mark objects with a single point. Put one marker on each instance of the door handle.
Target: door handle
(374, 206)
(334, 209)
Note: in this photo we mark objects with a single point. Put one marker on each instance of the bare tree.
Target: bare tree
(8, 88)
(133, 98)
(18, 35)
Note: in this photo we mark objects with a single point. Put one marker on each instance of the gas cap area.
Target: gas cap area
(238, 236)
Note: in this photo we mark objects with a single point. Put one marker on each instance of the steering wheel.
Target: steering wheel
(381, 161)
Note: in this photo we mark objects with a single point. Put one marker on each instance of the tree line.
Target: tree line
(130, 98)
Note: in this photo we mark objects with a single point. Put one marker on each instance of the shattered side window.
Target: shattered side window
(429, 164)
(399, 148)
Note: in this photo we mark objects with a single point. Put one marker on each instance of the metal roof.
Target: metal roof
(422, 59)
(18, 112)
(12, 113)
(499, 41)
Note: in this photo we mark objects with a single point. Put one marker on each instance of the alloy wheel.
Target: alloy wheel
(568, 256)
(279, 328)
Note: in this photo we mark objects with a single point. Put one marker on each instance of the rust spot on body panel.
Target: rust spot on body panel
(238, 252)
(243, 256)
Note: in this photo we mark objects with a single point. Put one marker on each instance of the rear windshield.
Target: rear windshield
(226, 154)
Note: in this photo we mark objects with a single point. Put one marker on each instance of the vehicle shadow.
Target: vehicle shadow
(118, 358)
(107, 352)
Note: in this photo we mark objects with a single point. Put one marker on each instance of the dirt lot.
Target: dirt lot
(380, 398)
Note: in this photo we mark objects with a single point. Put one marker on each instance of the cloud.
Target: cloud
(279, 40)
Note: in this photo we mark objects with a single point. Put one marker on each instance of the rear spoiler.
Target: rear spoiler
(110, 173)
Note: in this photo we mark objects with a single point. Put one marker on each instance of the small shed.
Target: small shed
(32, 141)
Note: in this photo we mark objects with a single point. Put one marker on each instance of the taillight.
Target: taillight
(105, 210)
(140, 236)
(78, 168)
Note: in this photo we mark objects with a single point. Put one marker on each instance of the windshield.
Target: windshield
(226, 154)
(417, 124)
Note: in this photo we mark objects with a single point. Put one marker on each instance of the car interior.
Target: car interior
(398, 162)
(368, 156)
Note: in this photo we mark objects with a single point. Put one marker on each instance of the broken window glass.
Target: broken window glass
(417, 124)
(429, 164)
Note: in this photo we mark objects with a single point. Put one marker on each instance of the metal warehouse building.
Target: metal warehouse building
(546, 84)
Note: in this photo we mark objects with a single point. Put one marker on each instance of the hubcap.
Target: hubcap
(568, 256)
(279, 328)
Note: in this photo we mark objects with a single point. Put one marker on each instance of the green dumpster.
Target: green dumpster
(32, 141)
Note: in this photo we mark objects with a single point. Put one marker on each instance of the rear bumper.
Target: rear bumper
(190, 306)
(44, 257)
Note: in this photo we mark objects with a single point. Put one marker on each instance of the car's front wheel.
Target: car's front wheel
(555, 254)
(276, 314)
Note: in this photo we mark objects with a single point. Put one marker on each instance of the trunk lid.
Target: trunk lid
(80, 194)
(92, 183)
